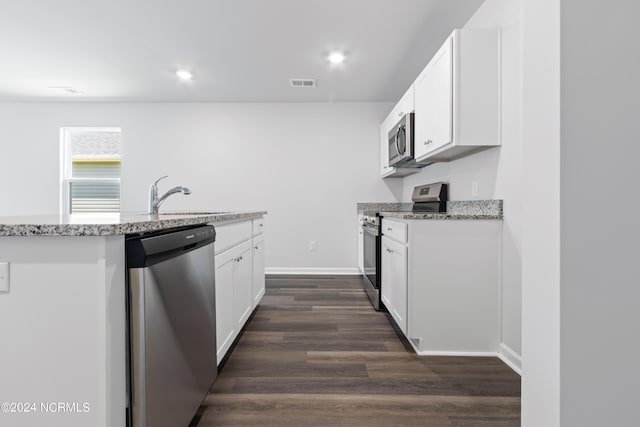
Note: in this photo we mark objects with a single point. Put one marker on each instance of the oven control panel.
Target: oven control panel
(430, 193)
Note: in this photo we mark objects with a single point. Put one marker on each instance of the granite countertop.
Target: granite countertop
(386, 207)
(111, 224)
(456, 209)
(434, 215)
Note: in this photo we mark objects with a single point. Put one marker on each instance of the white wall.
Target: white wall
(497, 171)
(541, 215)
(307, 164)
(600, 269)
(541, 225)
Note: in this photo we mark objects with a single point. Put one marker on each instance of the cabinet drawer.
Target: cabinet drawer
(395, 230)
(229, 235)
(258, 226)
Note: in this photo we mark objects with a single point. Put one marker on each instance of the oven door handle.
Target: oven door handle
(370, 230)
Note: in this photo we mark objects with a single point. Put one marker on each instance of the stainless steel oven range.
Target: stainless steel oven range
(371, 257)
(426, 198)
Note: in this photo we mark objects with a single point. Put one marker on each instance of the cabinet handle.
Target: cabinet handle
(390, 251)
(401, 113)
(428, 142)
(239, 259)
(389, 229)
(255, 247)
(260, 225)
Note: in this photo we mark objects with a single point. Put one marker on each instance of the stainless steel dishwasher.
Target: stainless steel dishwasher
(172, 325)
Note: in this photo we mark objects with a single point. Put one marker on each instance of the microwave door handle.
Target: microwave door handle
(398, 139)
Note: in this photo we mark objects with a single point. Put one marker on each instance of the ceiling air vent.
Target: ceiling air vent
(67, 89)
(303, 82)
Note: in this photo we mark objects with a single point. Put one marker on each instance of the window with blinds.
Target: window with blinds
(92, 167)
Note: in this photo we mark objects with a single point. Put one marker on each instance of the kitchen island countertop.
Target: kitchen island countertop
(63, 300)
(112, 224)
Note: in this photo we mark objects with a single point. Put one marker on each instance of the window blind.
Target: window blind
(95, 185)
(94, 196)
(93, 177)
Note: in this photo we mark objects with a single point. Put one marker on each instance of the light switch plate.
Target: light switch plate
(4, 277)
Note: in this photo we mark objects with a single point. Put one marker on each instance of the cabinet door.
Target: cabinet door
(394, 281)
(424, 121)
(386, 288)
(258, 226)
(442, 92)
(225, 318)
(434, 103)
(360, 246)
(243, 283)
(403, 107)
(258, 270)
(384, 149)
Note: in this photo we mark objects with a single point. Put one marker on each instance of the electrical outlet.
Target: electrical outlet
(313, 246)
(4, 277)
(474, 188)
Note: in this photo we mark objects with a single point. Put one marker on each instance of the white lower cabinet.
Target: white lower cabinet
(258, 269)
(239, 265)
(234, 300)
(225, 319)
(360, 244)
(243, 298)
(394, 280)
(442, 285)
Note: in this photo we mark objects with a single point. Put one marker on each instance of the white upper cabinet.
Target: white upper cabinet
(404, 106)
(385, 170)
(457, 98)
(434, 125)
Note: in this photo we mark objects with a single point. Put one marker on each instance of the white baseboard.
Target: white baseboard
(312, 270)
(504, 353)
(457, 353)
(510, 357)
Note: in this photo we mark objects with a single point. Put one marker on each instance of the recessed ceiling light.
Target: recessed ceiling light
(336, 57)
(184, 74)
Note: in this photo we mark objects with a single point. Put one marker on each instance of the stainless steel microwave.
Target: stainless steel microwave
(401, 152)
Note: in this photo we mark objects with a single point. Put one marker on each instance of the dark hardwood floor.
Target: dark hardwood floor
(317, 354)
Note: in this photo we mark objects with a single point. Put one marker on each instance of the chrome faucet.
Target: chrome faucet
(155, 201)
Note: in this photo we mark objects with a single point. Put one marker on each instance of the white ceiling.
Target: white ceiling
(239, 50)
